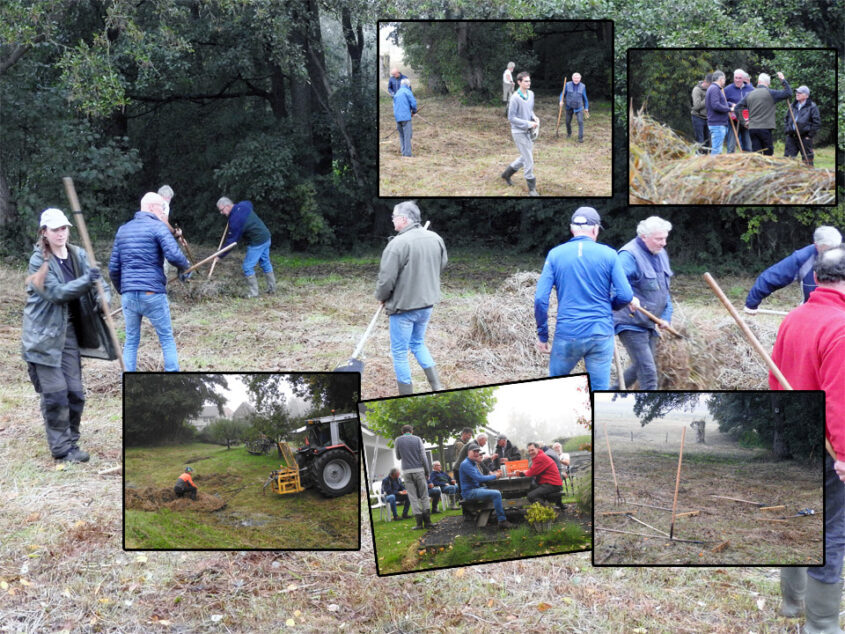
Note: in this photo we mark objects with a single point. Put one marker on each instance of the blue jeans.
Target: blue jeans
(488, 494)
(744, 140)
(596, 351)
(155, 307)
(448, 489)
(834, 527)
(717, 136)
(642, 349)
(258, 254)
(391, 500)
(405, 130)
(407, 332)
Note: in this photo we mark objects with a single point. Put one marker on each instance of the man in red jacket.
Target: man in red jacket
(809, 350)
(549, 486)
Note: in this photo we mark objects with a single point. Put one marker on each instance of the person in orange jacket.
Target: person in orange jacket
(185, 485)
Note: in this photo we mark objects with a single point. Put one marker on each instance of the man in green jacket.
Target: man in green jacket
(761, 111)
(409, 286)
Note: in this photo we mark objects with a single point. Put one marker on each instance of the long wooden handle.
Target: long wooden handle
(797, 133)
(219, 246)
(657, 320)
(619, 372)
(677, 482)
(610, 454)
(736, 136)
(205, 261)
(86, 240)
(560, 107)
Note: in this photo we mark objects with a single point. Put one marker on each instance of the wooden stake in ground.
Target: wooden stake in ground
(619, 498)
(86, 240)
(560, 110)
(619, 373)
(798, 134)
(677, 483)
(755, 343)
(219, 246)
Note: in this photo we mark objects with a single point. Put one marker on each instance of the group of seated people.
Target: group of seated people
(548, 469)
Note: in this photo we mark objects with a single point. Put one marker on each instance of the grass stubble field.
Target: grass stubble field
(462, 150)
(646, 462)
(61, 561)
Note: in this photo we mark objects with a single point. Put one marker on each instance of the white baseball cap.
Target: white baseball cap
(53, 218)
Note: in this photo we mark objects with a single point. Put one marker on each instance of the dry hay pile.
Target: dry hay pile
(665, 169)
(714, 354)
(502, 330)
(153, 499)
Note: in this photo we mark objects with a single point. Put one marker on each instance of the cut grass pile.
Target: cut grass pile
(231, 511)
(665, 169)
(462, 150)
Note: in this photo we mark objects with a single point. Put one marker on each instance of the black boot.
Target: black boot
(56, 411)
(405, 514)
(419, 525)
(509, 171)
(433, 505)
(427, 520)
(74, 455)
(532, 186)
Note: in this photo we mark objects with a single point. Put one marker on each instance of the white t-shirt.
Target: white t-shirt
(507, 76)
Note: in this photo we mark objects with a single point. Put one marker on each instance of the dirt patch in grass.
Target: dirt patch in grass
(153, 499)
(462, 150)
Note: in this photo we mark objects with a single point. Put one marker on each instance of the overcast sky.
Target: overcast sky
(237, 393)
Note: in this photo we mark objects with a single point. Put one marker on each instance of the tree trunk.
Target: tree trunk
(780, 447)
(354, 43)
(277, 92)
(8, 209)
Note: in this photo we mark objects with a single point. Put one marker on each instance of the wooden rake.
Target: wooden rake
(619, 498)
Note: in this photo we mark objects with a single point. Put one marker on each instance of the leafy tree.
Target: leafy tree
(328, 391)
(651, 405)
(435, 417)
(227, 431)
(157, 407)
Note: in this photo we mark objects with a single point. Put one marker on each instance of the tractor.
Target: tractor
(328, 461)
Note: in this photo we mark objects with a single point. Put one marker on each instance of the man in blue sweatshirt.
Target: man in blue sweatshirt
(472, 485)
(404, 108)
(246, 228)
(590, 283)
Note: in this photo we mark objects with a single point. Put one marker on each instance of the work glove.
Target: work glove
(749, 311)
(184, 277)
(93, 274)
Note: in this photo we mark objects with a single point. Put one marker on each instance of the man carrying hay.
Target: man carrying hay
(717, 112)
(699, 111)
(185, 485)
(798, 266)
(409, 286)
(809, 121)
(647, 268)
(590, 283)
(809, 349)
(761, 111)
(523, 122)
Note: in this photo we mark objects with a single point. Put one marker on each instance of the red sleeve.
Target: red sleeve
(832, 379)
(540, 464)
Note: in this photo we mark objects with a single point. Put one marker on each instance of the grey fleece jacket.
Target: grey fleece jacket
(409, 274)
(410, 450)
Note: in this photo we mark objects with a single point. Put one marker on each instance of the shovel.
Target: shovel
(354, 363)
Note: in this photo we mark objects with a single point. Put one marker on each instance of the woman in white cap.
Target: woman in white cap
(58, 315)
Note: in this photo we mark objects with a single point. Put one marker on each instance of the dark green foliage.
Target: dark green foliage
(226, 431)
(157, 407)
(651, 405)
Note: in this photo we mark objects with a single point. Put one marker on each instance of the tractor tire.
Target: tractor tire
(335, 473)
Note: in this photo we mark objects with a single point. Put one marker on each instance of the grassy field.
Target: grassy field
(398, 547)
(250, 519)
(646, 462)
(62, 566)
(461, 151)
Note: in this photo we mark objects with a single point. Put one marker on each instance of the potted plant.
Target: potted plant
(540, 517)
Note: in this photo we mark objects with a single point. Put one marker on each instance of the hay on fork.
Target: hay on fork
(665, 169)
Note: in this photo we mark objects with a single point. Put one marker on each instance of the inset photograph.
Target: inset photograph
(479, 475)
(732, 126)
(462, 104)
(241, 461)
(709, 478)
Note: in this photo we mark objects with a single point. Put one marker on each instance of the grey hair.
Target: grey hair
(511, 65)
(149, 199)
(764, 79)
(165, 191)
(393, 470)
(408, 209)
(223, 202)
(746, 76)
(827, 236)
(581, 229)
(405, 82)
(717, 75)
(653, 224)
(481, 435)
(830, 265)
(739, 72)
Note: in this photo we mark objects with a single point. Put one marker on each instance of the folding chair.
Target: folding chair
(377, 501)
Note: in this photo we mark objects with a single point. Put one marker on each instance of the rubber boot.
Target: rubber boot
(532, 186)
(822, 607)
(793, 586)
(252, 286)
(271, 282)
(433, 378)
(76, 403)
(427, 523)
(419, 525)
(405, 388)
(433, 505)
(509, 171)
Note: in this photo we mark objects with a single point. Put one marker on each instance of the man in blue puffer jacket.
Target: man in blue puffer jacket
(797, 266)
(140, 248)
